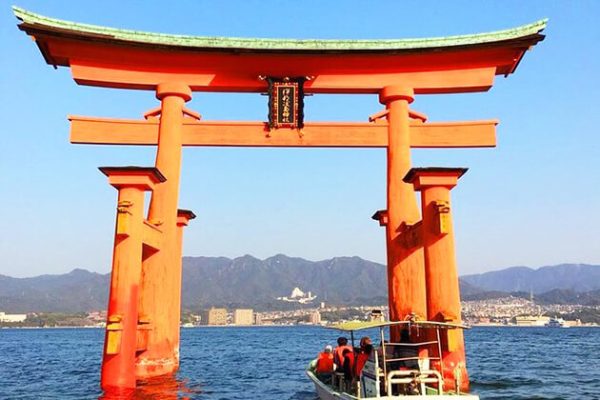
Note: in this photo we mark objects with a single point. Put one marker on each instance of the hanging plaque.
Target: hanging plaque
(286, 103)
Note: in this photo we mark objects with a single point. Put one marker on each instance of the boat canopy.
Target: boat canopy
(361, 325)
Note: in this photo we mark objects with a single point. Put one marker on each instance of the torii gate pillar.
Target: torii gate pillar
(183, 219)
(441, 276)
(134, 239)
(406, 276)
(161, 283)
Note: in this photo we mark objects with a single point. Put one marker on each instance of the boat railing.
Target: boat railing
(416, 358)
(416, 344)
(390, 351)
(416, 367)
(405, 377)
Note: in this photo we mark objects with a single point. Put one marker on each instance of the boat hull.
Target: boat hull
(327, 393)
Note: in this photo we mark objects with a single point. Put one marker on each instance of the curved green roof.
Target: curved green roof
(256, 44)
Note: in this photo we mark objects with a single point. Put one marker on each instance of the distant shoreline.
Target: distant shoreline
(292, 326)
(530, 326)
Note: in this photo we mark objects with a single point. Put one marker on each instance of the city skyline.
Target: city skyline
(527, 202)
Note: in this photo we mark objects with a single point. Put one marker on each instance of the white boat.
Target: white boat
(556, 323)
(379, 378)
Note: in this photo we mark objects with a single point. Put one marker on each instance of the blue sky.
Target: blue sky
(532, 201)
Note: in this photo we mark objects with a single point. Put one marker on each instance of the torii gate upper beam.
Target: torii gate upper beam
(108, 57)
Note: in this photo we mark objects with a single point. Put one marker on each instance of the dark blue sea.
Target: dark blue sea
(267, 363)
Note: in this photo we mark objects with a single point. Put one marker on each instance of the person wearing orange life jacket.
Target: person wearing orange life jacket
(361, 359)
(362, 355)
(338, 352)
(324, 366)
(348, 367)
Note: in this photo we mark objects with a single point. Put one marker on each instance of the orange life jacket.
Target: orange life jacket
(324, 363)
(338, 357)
(361, 360)
(349, 365)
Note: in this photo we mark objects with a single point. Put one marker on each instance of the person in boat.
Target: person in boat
(364, 341)
(338, 352)
(325, 366)
(409, 352)
(404, 358)
(348, 368)
(362, 355)
(361, 359)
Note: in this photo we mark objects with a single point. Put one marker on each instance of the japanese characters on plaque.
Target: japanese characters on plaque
(286, 103)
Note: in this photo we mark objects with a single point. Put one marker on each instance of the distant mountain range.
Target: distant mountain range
(248, 281)
(574, 277)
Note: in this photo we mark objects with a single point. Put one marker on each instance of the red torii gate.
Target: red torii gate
(142, 333)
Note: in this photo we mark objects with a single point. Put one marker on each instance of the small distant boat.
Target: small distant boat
(379, 380)
(556, 323)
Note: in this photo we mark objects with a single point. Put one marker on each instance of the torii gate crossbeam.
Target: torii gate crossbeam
(86, 130)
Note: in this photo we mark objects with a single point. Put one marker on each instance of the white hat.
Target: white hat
(328, 349)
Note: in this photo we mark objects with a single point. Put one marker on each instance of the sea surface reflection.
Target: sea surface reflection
(168, 387)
